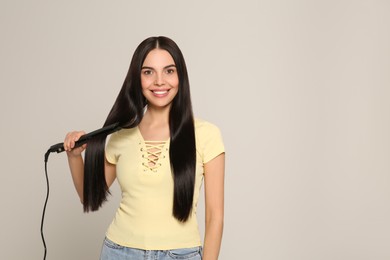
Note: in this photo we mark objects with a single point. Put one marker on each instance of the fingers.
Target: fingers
(71, 139)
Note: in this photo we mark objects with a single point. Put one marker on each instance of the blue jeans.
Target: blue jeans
(113, 251)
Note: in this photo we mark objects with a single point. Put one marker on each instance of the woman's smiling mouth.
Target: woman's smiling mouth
(160, 93)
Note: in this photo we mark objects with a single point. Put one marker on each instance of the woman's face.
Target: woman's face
(159, 79)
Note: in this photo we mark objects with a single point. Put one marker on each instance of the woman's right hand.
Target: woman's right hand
(70, 141)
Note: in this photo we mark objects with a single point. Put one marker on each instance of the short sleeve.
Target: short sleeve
(111, 151)
(211, 142)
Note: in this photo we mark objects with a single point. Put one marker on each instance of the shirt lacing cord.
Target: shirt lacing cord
(152, 152)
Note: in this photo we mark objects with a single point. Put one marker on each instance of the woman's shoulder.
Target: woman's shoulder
(205, 128)
(125, 134)
(208, 140)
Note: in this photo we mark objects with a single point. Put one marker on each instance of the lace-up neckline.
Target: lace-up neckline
(153, 152)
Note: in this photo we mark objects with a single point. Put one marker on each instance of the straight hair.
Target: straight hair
(128, 111)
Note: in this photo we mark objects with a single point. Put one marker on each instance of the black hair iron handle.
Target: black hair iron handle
(85, 138)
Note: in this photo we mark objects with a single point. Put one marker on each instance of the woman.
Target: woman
(160, 157)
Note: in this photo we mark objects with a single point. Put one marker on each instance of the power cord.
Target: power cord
(44, 207)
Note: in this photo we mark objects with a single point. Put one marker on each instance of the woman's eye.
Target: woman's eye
(170, 71)
(147, 72)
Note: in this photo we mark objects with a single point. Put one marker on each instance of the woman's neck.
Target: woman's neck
(155, 124)
(156, 116)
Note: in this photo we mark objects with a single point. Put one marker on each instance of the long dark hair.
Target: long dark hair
(128, 111)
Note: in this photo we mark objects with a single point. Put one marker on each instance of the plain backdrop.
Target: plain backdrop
(300, 90)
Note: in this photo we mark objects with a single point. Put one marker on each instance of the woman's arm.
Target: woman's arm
(214, 173)
(76, 163)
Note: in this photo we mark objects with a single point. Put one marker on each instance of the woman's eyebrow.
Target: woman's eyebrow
(151, 68)
(169, 66)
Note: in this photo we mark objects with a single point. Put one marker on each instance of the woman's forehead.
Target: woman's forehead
(158, 58)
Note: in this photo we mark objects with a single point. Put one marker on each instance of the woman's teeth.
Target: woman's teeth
(160, 92)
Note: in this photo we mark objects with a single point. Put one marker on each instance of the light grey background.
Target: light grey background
(300, 90)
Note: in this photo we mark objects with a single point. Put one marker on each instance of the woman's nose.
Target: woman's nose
(159, 79)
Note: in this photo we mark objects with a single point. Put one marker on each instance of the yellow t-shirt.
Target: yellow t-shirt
(144, 218)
